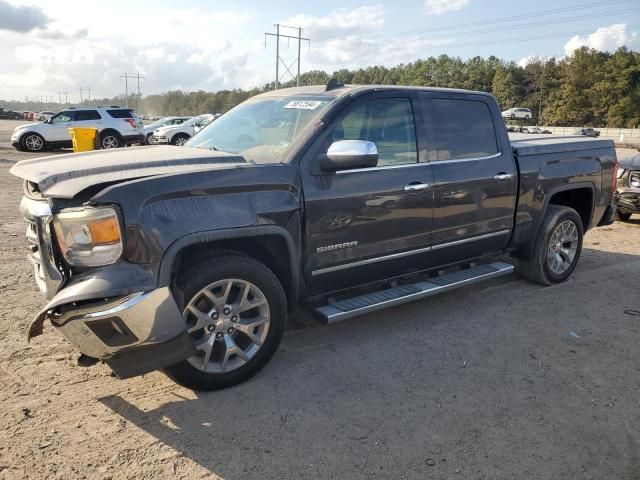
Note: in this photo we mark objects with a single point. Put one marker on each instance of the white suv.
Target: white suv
(179, 134)
(514, 113)
(116, 126)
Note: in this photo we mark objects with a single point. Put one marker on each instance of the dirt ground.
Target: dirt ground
(505, 380)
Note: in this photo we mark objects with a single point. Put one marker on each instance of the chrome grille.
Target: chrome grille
(38, 216)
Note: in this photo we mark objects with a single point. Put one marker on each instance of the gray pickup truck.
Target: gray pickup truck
(188, 259)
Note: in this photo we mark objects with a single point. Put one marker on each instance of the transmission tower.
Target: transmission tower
(279, 59)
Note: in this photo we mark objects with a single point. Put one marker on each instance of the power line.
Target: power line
(507, 27)
(508, 19)
(279, 59)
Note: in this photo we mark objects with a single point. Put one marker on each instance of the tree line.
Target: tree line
(588, 88)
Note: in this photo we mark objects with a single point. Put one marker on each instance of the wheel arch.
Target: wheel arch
(109, 130)
(269, 244)
(583, 197)
(178, 134)
(580, 198)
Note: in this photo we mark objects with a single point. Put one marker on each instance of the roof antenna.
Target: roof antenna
(333, 84)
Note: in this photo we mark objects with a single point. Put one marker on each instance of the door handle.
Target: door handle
(503, 176)
(416, 187)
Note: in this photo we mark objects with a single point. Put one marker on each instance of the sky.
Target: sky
(53, 46)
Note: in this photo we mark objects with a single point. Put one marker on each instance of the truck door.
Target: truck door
(475, 176)
(367, 224)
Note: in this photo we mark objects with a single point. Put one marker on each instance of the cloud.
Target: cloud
(438, 7)
(58, 34)
(338, 23)
(21, 18)
(532, 59)
(604, 38)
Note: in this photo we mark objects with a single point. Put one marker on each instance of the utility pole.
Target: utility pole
(66, 97)
(279, 59)
(139, 94)
(80, 90)
(126, 77)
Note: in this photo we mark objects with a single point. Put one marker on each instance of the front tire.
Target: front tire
(235, 310)
(33, 142)
(557, 247)
(150, 139)
(179, 139)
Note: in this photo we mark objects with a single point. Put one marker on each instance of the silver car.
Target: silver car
(163, 122)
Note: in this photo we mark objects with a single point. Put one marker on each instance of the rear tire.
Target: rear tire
(110, 139)
(213, 292)
(621, 216)
(557, 247)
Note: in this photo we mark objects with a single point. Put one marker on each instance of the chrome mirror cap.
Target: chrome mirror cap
(350, 154)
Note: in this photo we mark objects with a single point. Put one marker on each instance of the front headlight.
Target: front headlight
(89, 236)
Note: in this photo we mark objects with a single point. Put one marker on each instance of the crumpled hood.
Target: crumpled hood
(630, 163)
(64, 176)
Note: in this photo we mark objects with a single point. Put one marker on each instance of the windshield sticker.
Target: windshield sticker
(304, 104)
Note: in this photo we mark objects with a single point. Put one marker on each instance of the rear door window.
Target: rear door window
(463, 129)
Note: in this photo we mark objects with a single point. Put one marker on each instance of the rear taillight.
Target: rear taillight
(614, 176)
(131, 122)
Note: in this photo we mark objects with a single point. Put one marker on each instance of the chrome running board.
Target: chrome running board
(372, 302)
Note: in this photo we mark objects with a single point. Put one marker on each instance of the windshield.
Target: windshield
(262, 129)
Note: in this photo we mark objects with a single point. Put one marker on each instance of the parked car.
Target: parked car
(627, 194)
(536, 130)
(188, 259)
(116, 126)
(587, 132)
(179, 134)
(41, 116)
(6, 114)
(27, 115)
(163, 122)
(517, 113)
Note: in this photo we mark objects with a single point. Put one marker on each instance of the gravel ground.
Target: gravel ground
(505, 380)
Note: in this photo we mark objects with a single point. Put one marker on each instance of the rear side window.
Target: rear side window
(121, 113)
(87, 115)
(462, 129)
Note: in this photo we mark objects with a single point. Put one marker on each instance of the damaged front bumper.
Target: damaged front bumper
(133, 334)
(628, 200)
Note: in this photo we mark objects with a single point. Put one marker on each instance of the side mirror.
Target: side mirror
(349, 154)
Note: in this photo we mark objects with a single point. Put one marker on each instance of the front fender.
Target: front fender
(169, 259)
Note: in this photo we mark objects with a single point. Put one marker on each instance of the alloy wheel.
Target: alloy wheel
(110, 141)
(229, 322)
(563, 246)
(34, 143)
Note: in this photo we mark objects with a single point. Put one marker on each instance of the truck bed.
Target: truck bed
(525, 144)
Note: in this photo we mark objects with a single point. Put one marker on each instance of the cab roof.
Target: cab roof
(342, 90)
